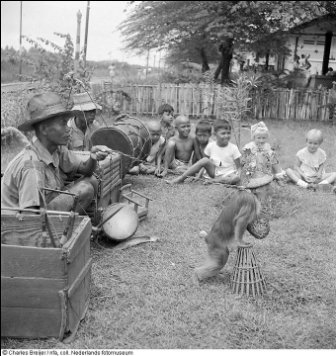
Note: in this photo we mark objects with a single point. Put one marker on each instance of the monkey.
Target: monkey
(229, 228)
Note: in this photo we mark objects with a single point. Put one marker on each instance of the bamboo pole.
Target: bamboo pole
(325, 106)
(177, 98)
(193, 101)
(86, 32)
(20, 41)
(79, 19)
(37, 211)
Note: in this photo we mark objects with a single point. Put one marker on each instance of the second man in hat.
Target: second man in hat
(84, 123)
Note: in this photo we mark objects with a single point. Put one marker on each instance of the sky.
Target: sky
(43, 18)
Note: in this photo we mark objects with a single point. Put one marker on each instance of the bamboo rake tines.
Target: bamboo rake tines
(247, 277)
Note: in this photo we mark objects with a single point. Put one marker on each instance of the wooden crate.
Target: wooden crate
(44, 290)
(109, 172)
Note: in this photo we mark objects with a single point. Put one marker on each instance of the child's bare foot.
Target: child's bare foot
(146, 170)
(157, 172)
(312, 186)
(134, 170)
(174, 181)
(162, 174)
(150, 170)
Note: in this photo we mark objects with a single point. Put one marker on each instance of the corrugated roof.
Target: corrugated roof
(328, 22)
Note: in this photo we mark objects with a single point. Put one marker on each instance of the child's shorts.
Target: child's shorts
(179, 166)
(218, 173)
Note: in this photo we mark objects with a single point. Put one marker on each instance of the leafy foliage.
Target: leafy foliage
(51, 61)
(52, 69)
(55, 70)
(174, 25)
(197, 49)
(328, 6)
(235, 98)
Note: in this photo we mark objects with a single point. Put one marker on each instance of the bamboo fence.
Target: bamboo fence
(285, 104)
(201, 100)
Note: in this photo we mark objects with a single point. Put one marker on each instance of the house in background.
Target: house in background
(315, 40)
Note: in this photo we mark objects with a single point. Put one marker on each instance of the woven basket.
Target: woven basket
(247, 278)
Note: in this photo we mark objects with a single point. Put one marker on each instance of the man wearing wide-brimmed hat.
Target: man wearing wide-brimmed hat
(84, 123)
(46, 162)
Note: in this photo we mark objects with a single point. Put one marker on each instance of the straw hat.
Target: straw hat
(258, 179)
(85, 102)
(44, 106)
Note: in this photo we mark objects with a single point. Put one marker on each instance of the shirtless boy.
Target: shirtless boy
(179, 148)
(153, 160)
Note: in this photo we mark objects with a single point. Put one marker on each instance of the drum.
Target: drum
(129, 136)
(123, 222)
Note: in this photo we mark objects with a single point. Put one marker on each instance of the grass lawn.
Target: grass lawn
(143, 297)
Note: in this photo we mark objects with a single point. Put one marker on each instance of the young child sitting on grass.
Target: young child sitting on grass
(153, 161)
(309, 169)
(203, 132)
(166, 114)
(179, 148)
(222, 161)
(259, 161)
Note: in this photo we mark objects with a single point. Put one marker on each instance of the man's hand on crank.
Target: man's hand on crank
(100, 152)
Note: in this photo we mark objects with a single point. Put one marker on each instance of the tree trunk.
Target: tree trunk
(226, 50)
(218, 70)
(326, 54)
(267, 61)
(205, 64)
